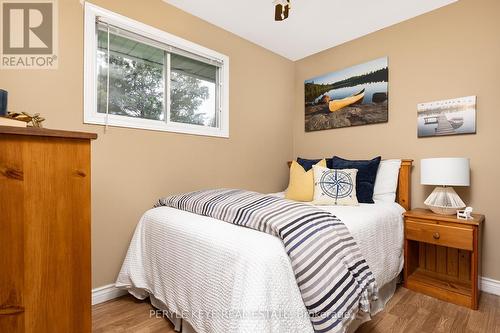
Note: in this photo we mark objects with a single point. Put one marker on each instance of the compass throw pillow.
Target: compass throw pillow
(335, 186)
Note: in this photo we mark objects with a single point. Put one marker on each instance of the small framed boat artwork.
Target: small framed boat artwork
(354, 96)
(447, 117)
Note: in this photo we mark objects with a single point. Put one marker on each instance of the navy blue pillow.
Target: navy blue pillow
(308, 164)
(365, 179)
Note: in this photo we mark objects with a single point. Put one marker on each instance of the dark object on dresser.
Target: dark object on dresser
(45, 281)
(3, 102)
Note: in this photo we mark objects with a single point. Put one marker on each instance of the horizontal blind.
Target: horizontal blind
(103, 24)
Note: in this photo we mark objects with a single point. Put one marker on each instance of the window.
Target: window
(141, 77)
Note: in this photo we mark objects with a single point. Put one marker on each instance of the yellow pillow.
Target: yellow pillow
(301, 184)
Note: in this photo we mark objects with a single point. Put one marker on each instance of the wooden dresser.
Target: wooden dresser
(442, 256)
(45, 279)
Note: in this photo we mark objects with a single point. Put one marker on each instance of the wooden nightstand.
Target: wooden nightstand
(442, 256)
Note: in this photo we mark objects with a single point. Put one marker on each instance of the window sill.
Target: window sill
(156, 125)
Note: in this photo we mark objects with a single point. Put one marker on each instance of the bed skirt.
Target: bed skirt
(384, 295)
(181, 325)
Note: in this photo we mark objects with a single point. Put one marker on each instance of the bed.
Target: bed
(225, 278)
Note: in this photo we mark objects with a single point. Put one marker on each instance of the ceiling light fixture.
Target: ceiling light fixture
(281, 9)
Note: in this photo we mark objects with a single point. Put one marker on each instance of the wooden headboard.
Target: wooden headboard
(403, 193)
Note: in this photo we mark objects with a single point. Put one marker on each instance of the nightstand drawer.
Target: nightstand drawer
(460, 238)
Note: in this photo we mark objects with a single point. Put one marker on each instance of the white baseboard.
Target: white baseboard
(106, 293)
(490, 286)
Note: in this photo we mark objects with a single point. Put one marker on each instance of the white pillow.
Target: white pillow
(334, 187)
(386, 182)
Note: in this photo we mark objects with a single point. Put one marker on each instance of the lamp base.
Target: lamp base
(444, 201)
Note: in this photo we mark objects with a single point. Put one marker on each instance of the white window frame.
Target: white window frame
(91, 116)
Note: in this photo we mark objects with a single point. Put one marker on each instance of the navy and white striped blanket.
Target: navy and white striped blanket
(333, 277)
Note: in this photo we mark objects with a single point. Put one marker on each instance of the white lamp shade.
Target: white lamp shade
(451, 171)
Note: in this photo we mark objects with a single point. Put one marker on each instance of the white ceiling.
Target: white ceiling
(313, 25)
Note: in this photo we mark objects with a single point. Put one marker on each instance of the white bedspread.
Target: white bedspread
(200, 267)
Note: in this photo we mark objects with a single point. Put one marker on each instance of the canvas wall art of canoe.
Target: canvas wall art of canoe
(353, 96)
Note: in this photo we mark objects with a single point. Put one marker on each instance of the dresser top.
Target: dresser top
(426, 214)
(33, 131)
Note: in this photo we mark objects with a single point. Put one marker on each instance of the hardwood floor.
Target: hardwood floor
(127, 314)
(406, 312)
(409, 311)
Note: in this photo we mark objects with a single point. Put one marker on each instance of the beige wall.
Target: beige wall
(448, 53)
(133, 168)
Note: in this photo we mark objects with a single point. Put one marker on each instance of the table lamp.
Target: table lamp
(445, 172)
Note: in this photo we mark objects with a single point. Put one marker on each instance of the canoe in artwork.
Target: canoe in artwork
(338, 104)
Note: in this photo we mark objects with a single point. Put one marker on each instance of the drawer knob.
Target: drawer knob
(436, 235)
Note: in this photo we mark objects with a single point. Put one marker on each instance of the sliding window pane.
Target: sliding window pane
(136, 80)
(193, 92)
